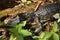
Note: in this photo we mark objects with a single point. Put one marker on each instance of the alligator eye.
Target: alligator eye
(14, 20)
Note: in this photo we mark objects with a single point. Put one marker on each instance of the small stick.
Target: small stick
(39, 2)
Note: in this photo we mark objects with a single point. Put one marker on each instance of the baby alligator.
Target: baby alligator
(45, 12)
(42, 13)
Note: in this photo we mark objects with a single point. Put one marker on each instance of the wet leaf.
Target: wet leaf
(19, 37)
(19, 26)
(42, 35)
(35, 37)
(13, 30)
(26, 33)
(16, 37)
(12, 37)
(47, 35)
(55, 36)
(55, 27)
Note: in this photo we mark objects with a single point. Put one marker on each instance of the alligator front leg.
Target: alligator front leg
(37, 30)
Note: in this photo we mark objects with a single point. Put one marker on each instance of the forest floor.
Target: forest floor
(19, 7)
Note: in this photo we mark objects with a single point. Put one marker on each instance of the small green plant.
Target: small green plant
(17, 33)
(47, 35)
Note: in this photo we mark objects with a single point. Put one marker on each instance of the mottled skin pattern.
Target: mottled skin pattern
(42, 13)
(45, 12)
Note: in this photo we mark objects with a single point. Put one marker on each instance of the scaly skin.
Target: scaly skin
(47, 10)
(44, 13)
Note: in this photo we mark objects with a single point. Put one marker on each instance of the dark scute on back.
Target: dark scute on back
(48, 9)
